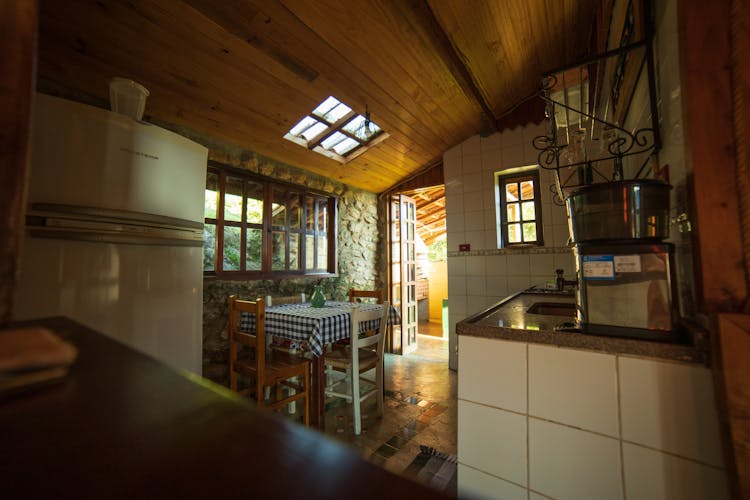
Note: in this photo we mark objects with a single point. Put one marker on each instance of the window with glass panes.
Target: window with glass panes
(255, 227)
(520, 209)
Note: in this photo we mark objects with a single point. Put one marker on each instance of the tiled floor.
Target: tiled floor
(420, 409)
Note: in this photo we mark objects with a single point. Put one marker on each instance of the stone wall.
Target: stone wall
(359, 263)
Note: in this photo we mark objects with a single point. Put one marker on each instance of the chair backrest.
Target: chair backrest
(365, 294)
(255, 339)
(358, 317)
(288, 299)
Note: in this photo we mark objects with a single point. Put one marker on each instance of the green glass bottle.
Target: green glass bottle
(317, 299)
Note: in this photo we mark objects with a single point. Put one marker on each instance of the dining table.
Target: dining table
(315, 328)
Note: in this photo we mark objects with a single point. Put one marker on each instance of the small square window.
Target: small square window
(520, 214)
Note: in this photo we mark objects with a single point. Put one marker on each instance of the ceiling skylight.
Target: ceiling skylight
(333, 129)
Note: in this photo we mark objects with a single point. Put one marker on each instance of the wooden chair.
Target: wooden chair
(365, 294)
(357, 359)
(267, 369)
(288, 299)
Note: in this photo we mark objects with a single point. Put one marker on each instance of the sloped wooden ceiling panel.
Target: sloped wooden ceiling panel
(245, 71)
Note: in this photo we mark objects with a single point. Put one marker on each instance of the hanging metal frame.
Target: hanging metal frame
(619, 143)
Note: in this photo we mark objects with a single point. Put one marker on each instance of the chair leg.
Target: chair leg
(379, 376)
(307, 397)
(292, 407)
(356, 402)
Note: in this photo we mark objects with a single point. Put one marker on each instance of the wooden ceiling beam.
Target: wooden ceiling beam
(422, 12)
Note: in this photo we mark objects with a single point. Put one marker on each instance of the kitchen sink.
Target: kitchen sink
(552, 309)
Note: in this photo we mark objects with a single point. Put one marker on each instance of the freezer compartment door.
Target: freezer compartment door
(149, 297)
(86, 156)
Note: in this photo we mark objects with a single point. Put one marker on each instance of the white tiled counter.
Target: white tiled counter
(538, 421)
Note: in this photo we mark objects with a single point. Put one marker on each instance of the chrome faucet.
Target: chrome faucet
(562, 282)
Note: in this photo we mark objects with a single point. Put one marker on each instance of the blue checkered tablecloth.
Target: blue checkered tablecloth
(317, 326)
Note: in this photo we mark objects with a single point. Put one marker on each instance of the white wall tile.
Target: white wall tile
(476, 484)
(454, 205)
(519, 264)
(471, 146)
(490, 142)
(473, 201)
(475, 239)
(559, 215)
(542, 264)
(476, 286)
(474, 220)
(475, 265)
(497, 286)
(491, 160)
(512, 137)
(457, 266)
(513, 157)
(569, 463)
(671, 407)
(560, 235)
(453, 186)
(472, 164)
(491, 440)
(452, 162)
(496, 265)
(473, 182)
(537, 496)
(456, 285)
(574, 387)
(494, 373)
(653, 474)
(454, 237)
(518, 283)
(454, 222)
(457, 307)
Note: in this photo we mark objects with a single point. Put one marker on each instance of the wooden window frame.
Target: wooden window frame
(502, 181)
(269, 186)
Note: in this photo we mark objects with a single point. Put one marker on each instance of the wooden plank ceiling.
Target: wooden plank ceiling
(432, 72)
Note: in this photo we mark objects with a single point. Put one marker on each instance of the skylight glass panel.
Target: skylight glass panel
(354, 124)
(303, 124)
(333, 130)
(332, 140)
(314, 131)
(345, 146)
(326, 106)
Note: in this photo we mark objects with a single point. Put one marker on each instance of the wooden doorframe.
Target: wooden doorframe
(714, 41)
(18, 38)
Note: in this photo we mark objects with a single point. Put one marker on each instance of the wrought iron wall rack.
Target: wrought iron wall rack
(603, 117)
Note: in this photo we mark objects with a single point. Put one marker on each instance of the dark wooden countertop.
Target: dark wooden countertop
(508, 320)
(123, 425)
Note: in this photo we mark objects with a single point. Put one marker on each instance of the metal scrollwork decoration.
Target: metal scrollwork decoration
(587, 105)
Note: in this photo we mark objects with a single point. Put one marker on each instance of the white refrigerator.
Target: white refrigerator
(114, 229)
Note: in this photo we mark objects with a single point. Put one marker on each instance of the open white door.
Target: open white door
(403, 271)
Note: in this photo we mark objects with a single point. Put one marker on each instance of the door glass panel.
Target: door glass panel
(233, 199)
(209, 247)
(232, 245)
(254, 202)
(253, 249)
(278, 256)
